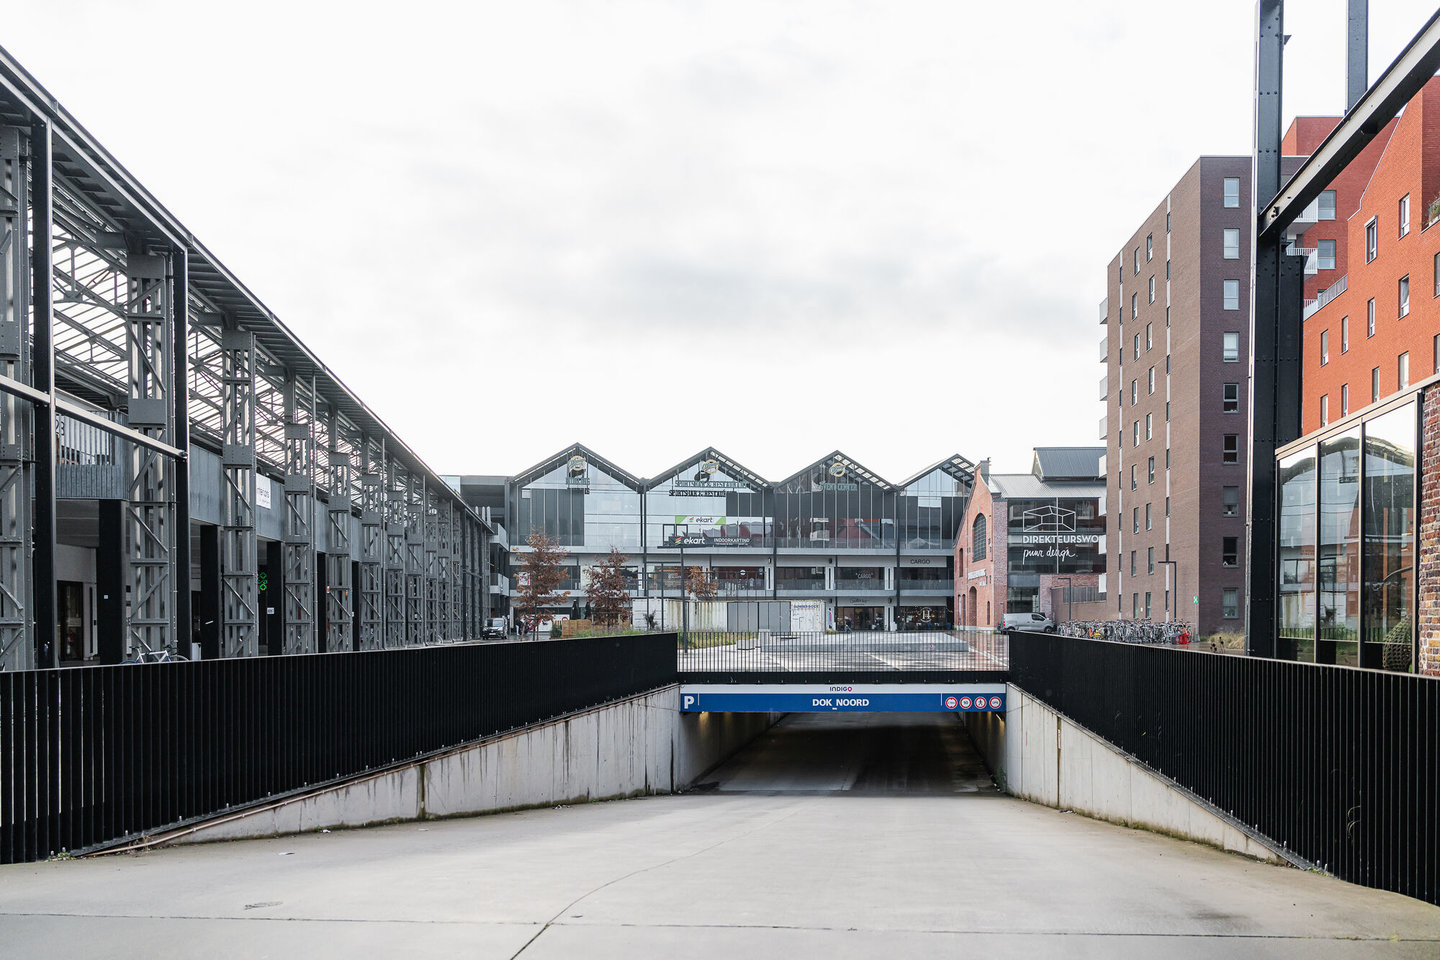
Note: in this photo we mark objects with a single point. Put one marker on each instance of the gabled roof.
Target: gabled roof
(731, 468)
(955, 466)
(852, 469)
(577, 449)
(1068, 463)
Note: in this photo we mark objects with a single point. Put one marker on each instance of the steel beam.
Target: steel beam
(1415, 66)
(180, 392)
(17, 643)
(1357, 52)
(372, 547)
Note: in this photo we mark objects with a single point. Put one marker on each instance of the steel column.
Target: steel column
(415, 622)
(150, 503)
(1357, 52)
(372, 548)
(42, 371)
(339, 606)
(180, 392)
(17, 644)
(239, 549)
(299, 532)
(397, 516)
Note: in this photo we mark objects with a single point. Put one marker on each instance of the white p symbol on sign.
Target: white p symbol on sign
(688, 700)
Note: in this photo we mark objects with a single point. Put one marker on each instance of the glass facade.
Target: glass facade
(1347, 535)
(1054, 535)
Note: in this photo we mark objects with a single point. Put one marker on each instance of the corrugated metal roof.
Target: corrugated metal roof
(1027, 486)
(1068, 463)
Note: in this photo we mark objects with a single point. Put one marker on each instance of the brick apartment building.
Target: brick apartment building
(1177, 325)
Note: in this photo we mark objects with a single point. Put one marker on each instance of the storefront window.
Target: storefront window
(1389, 539)
(1338, 567)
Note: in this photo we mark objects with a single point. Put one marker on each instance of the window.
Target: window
(1136, 259)
(1436, 349)
(1232, 347)
(1167, 269)
(1230, 501)
(1404, 297)
(1135, 346)
(1232, 243)
(1132, 477)
(1149, 432)
(1230, 603)
(1132, 563)
(1230, 552)
(1404, 214)
(1324, 409)
(1324, 347)
(1134, 305)
(1230, 398)
(1135, 520)
(1149, 339)
(1151, 377)
(1232, 191)
(1150, 568)
(1344, 399)
(977, 547)
(1232, 294)
(1167, 458)
(1230, 452)
(1344, 334)
(1402, 364)
(1148, 520)
(1372, 239)
(1374, 384)
(1167, 221)
(1370, 317)
(1326, 255)
(1437, 275)
(1134, 391)
(1167, 364)
(1327, 205)
(1135, 434)
(1149, 247)
(1167, 506)
(1151, 469)
(1151, 291)
(1167, 411)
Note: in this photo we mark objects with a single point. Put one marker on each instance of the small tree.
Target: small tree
(700, 583)
(539, 580)
(609, 591)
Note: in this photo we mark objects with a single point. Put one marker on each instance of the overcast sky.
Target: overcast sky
(778, 228)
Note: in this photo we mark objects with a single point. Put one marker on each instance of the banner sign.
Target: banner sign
(693, 540)
(843, 698)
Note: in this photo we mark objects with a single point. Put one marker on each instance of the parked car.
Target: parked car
(1033, 622)
(494, 629)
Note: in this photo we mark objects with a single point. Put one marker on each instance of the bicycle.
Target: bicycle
(146, 655)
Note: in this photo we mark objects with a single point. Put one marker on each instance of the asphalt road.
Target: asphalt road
(834, 836)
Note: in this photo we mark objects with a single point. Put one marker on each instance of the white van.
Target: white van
(1032, 622)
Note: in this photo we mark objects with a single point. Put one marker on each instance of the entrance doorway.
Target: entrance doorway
(70, 616)
(859, 618)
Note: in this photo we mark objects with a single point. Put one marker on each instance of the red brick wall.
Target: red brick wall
(991, 583)
(1428, 625)
(1401, 169)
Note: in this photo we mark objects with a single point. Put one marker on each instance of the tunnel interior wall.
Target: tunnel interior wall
(635, 747)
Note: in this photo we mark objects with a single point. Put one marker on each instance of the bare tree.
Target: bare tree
(541, 573)
(700, 583)
(609, 591)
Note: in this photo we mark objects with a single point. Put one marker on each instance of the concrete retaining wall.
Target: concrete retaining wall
(643, 745)
(1039, 755)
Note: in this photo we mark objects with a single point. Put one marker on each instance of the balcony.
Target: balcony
(1325, 296)
(943, 588)
(499, 585)
(1311, 255)
(1104, 387)
(1105, 310)
(1104, 424)
(1104, 349)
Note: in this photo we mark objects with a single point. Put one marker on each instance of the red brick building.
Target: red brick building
(1358, 574)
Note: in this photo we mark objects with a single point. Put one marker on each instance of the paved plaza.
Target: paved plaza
(848, 836)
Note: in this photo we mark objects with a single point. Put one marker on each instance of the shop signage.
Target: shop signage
(694, 540)
(262, 492)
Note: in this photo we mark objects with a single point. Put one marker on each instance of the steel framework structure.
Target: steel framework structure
(133, 364)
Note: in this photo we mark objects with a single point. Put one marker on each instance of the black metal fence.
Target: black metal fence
(748, 656)
(92, 755)
(1340, 765)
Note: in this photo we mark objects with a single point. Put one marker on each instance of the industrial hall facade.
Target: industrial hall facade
(179, 474)
(865, 552)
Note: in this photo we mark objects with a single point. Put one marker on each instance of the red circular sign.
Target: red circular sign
(951, 703)
(994, 703)
(964, 703)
